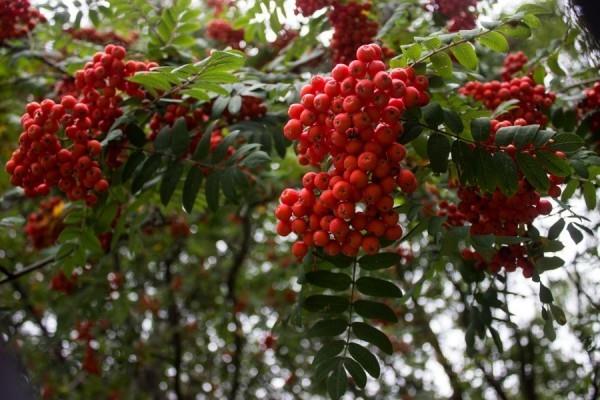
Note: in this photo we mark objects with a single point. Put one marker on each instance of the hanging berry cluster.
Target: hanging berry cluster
(513, 64)
(94, 36)
(44, 226)
(218, 6)
(354, 119)
(501, 215)
(223, 32)
(460, 14)
(17, 18)
(309, 7)
(589, 107)
(534, 100)
(352, 27)
(44, 159)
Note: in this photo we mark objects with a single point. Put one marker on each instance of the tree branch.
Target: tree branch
(232, 277)
(173, 318)
(12, 276)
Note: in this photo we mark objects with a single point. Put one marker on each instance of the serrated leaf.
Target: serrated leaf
(328, 327)
(506, 176)
(567, 142)
(212, 190)
(433, 114)
(589, 195)
(373, 336)
(553, 164)
(480, 129)
(169, 182)
(569, 190)
(558, 313)
(548, 263)
(377, 287)
(549, 331)
(533, 171)
(545, 295)
(191, 187)
(453, 121)
(329, 280)
(365, 358)
(438, 150)
(180, 137)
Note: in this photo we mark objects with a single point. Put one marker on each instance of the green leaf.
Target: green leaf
(438, 150)
(569, 190)
(465, 54)
(191, 187)
(496, 338)
(575, 233)
(442, 63)
(558, 313)
(433, 114)
(328, 327)
(506, 173)
(377, 287)
(146, 172)
(356, 372)
(133, 162)
(567, 142)
(533, 171)
(589, 194)
(324, 368)
(378, 261)
(329, 280)
(374, 310)
(549, 331)
(494, 41)
(486, 175)
(169, 182)
(203, 147)
(213, 183)
(480, 129)
(373, 336)
(545, 295)
(337, 383)
(549, 263)
(453, 121)
(326, 303)
(329, 350)
(505, 136)
(553, 164)
(556, 229)
(180, 137)
(525, 135)
(365, 358)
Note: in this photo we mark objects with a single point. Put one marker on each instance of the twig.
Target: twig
(41, 56)
(30, 268)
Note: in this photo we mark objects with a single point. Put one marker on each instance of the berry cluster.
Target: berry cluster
(501, 215)
(44, 226)
(461, 14)
(533, 99)
(513, 64)
(354, 116)
(17, 18)
(61, 283)
(309, 7)
(43, 160)
(590, 106)
(352, 28)
(91, 363)
(93, 36)
(223, 32)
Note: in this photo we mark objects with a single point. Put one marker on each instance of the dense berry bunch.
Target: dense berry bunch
(354, 117)
(501, 215)
(45, 158)
(44, 226)
(513, 63)
(352, 27)
(61, 283)
(533, 99)
(590, 107)
(93, 36)
(309, 7)
(223, 32)
(461, 14)
(17, 18)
